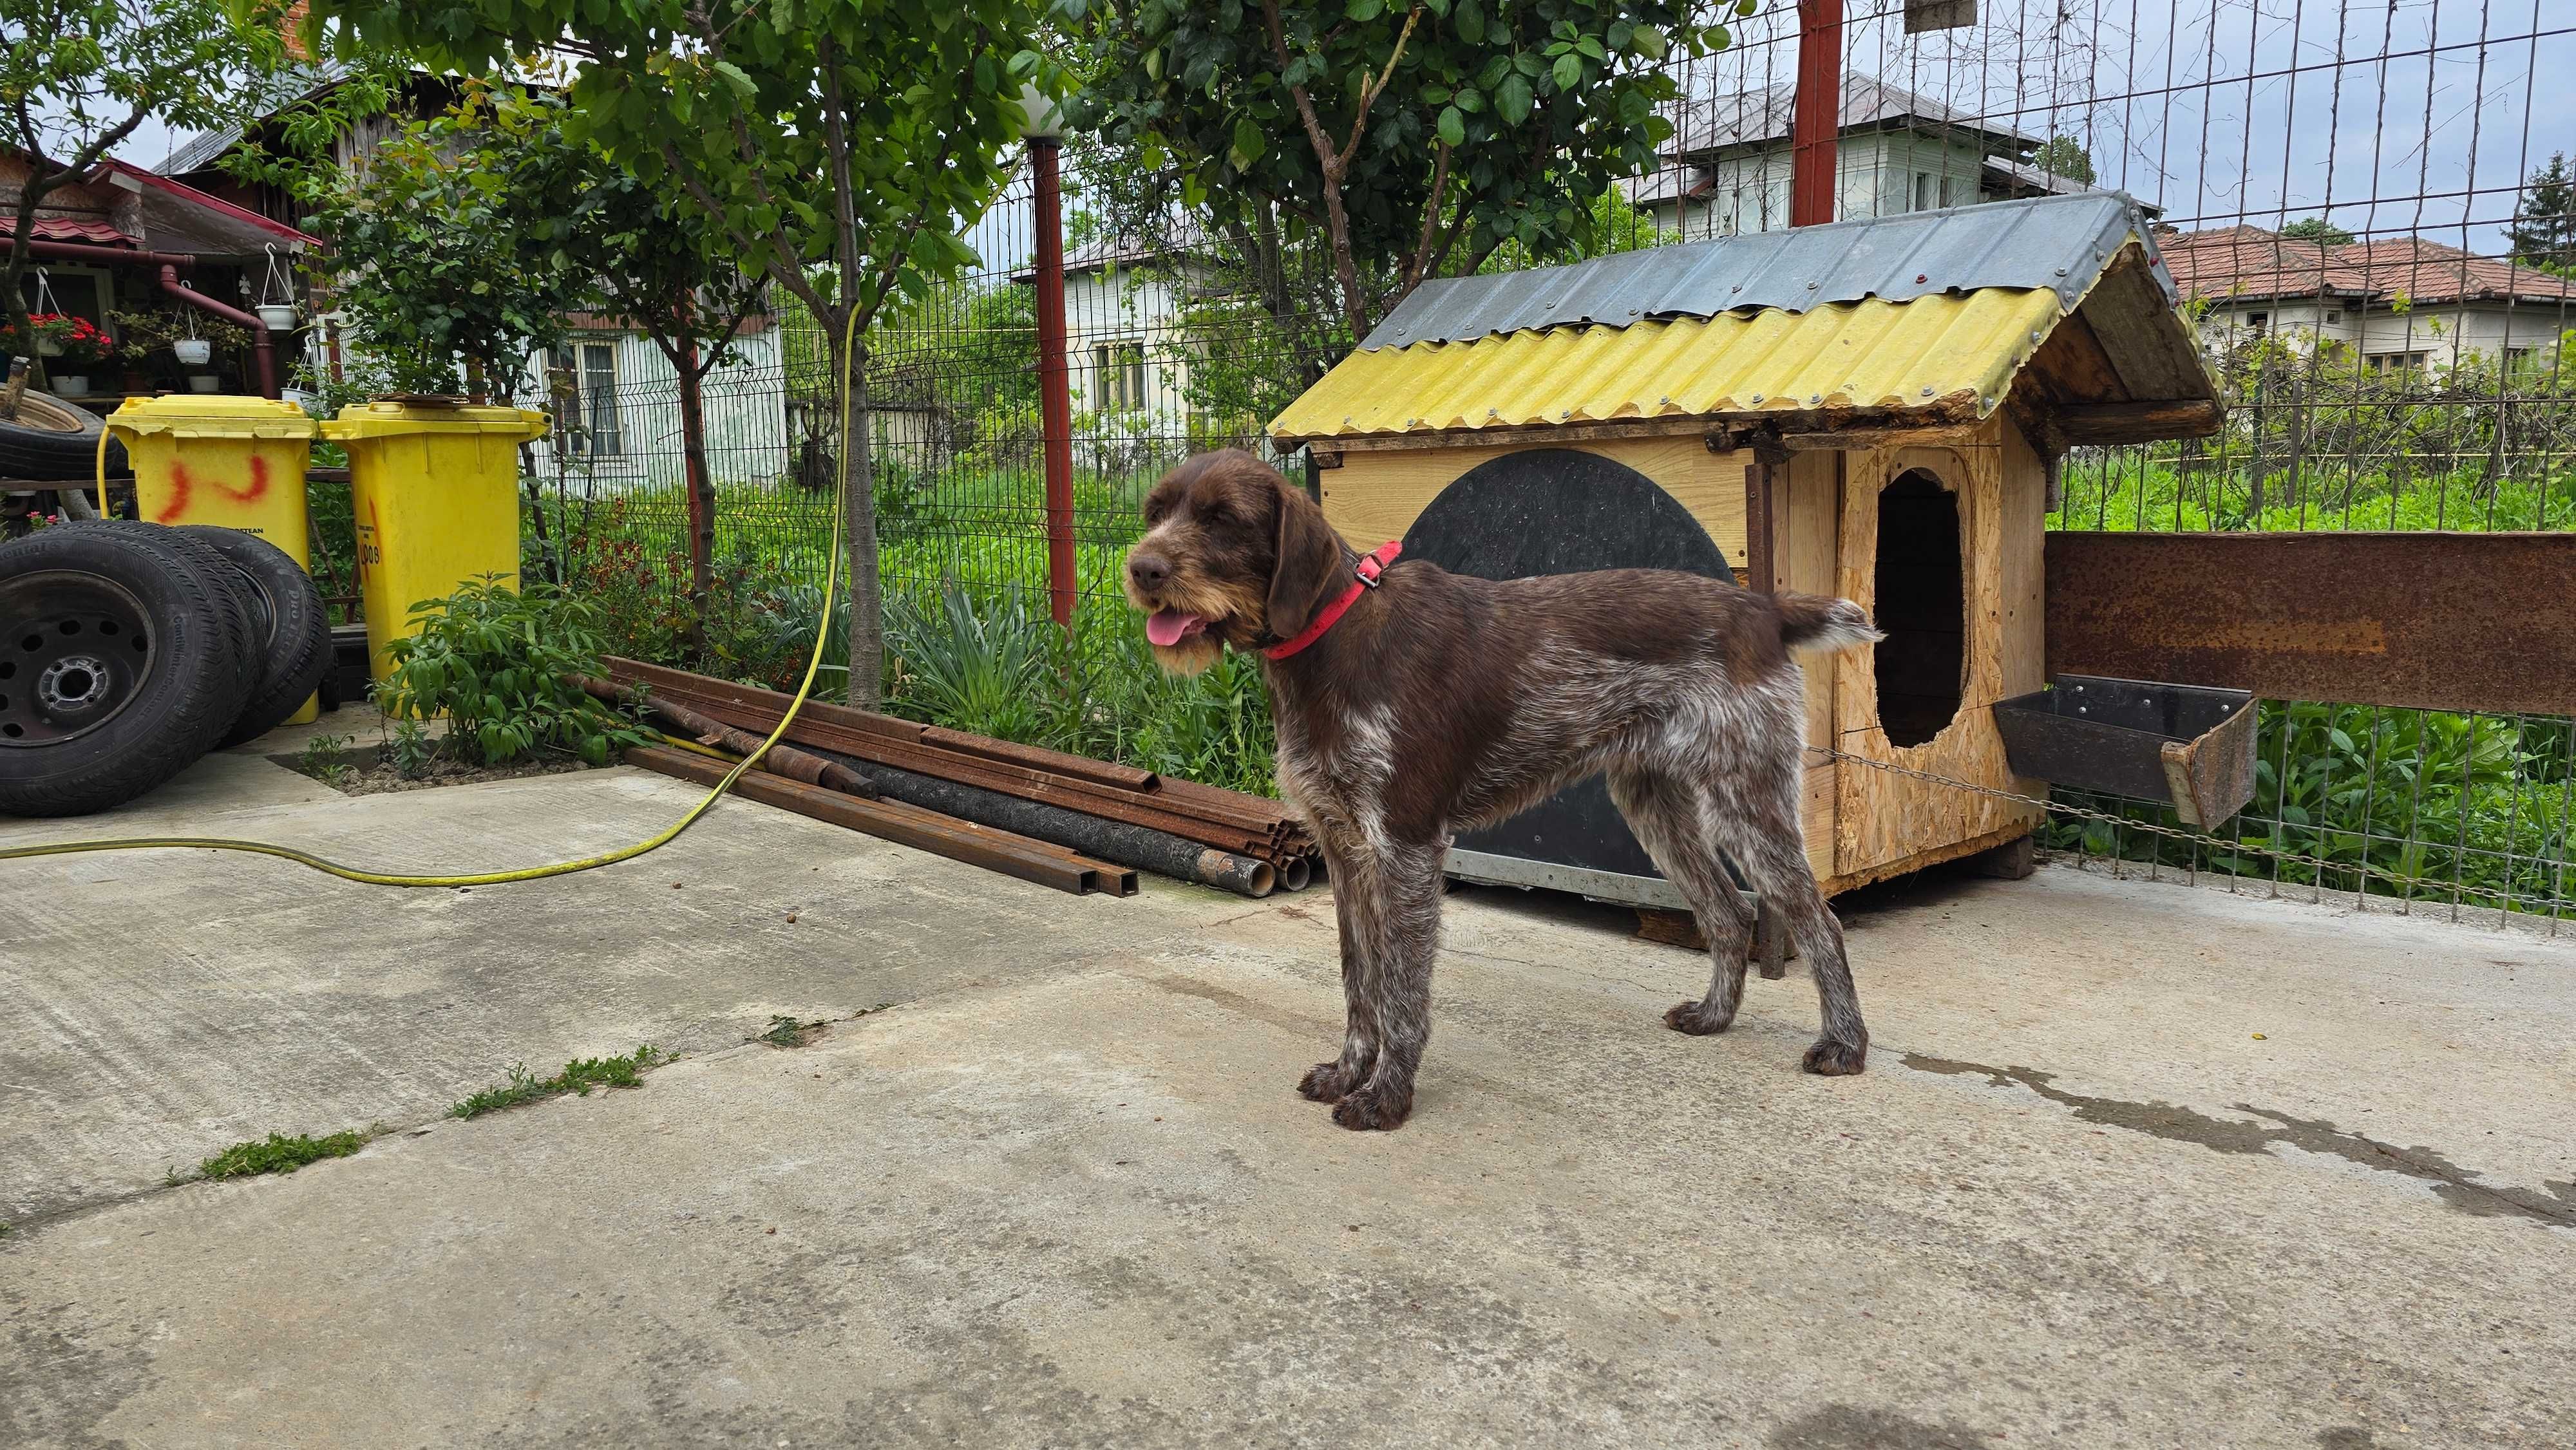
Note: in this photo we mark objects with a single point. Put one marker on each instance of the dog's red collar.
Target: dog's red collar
(1370, 567)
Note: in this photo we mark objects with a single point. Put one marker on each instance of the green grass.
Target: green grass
(577, 1078)
(2125, 492)
(278, 1153)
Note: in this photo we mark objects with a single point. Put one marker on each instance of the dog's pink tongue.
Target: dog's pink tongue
(1166, 626)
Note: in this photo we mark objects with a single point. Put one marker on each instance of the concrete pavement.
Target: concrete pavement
(1063, 1193)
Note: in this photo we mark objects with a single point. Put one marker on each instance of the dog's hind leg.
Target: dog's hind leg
(1408, 940)
(1356, 907)
(1671, 819)
(1765, 836)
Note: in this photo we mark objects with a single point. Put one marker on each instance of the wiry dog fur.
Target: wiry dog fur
(1442, 702)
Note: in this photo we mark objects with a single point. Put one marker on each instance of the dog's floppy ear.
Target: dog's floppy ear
(1310, 562)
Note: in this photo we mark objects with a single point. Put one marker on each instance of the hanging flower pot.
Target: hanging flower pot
(277, 317)
(48, 346)
(71, 385)
(204, 382)
(192, 351)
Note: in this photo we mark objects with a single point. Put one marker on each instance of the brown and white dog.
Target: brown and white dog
(1429, 702)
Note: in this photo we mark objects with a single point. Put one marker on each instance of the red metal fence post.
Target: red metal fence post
(1818, 112)
(1055, 397)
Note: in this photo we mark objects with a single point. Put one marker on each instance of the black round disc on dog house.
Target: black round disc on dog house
(1557, 511)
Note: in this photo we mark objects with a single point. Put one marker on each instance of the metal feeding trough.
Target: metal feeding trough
(2187, 745)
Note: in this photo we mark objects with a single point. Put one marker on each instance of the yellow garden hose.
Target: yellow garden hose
(813, 666)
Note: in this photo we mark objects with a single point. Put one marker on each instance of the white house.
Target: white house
(1124, 345)
(2405, 305)
(1727, 167)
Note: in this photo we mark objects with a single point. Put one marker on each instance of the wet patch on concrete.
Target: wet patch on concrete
(2346, 1437)
(1852, 1427)
(2552, 1203)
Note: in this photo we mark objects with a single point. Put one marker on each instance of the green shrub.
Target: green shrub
(504, 667)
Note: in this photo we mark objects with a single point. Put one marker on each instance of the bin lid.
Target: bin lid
(394, 420)
(212, 415)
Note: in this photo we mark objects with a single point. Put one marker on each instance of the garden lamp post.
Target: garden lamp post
(1045, 131)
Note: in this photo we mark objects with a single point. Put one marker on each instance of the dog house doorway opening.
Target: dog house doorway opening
(1921, 602)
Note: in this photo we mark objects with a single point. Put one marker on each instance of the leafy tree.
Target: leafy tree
(1412, 141)
(2317, 229)
(2065, 156)
(2543, 230)
(78, 76)
(649, 261)
(446, 246)
(866, 134)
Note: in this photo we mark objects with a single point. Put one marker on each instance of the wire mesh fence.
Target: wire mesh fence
(2363, 205)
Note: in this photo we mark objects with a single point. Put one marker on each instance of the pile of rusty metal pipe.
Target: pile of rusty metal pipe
(1221, 838)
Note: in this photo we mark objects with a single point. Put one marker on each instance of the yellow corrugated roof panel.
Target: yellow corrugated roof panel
(1928, 352)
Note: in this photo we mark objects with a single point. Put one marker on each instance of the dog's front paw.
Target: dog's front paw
(1829, 1058)
(1327, 1082)
(1697, 1018)
(1363, 1109)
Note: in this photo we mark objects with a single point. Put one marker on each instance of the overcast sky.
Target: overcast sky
(2404, 116)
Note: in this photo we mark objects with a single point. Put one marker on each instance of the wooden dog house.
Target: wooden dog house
(1873, 409)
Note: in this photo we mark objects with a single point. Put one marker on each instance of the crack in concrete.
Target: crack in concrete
(2553, 1203)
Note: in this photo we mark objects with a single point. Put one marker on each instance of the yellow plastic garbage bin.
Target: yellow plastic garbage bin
(216, 459)
(436, 495)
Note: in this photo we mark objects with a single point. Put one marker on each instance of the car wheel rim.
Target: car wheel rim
(74, 654)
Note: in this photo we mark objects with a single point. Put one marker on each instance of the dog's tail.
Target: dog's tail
(1812, 621)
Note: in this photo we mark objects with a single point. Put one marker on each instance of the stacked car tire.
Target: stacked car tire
(128, 650)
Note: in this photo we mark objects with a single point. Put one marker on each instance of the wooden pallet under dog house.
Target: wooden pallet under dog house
(1874, 409)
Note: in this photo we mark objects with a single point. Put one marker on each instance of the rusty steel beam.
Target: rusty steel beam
(940, 835)
(2445, 621)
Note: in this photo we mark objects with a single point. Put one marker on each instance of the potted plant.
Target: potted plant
(138, 336)
(46, 332)
(81, 346)
(197, 353)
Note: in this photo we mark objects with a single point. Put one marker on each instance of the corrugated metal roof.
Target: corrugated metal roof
(1956, 354)
(2059, 243)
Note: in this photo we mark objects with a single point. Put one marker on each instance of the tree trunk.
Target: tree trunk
(859, 521)
(23, 226)
(702, 489)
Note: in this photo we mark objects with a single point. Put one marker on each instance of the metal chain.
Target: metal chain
(2503, 900)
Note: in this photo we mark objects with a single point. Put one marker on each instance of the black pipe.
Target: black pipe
(1142, 847)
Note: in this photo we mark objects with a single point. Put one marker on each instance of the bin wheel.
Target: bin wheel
(290, 626)
(120, 664)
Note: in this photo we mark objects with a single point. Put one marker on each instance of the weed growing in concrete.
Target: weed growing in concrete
(322, 760)
(788, 1032)
(280, 1154)
(578, 1077)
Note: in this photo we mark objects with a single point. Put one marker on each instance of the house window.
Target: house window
(1775, 205)
(73, 292)
(2333, 317)
(2394, 363)
(1945, 190)
(1119, 372)
(1923, 191)
(2258, 321)
(589, 379)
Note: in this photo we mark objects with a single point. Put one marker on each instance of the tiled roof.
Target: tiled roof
(2249, 262)
(78, 229)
